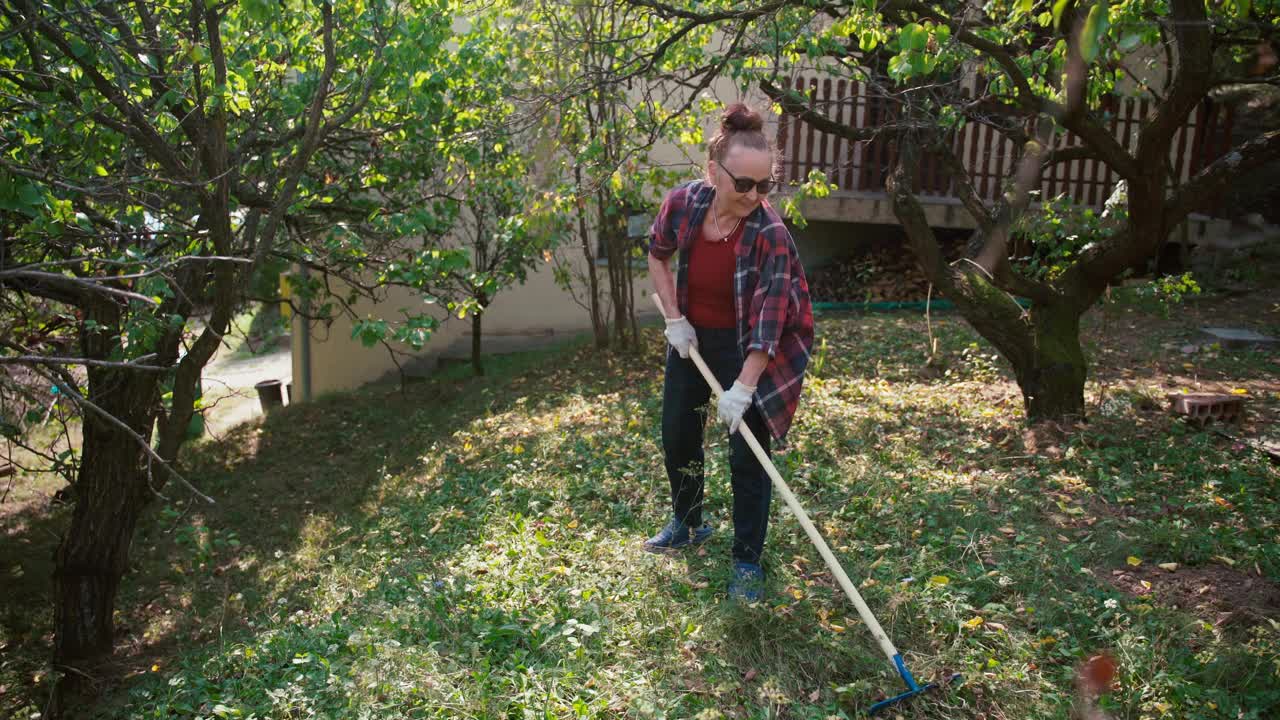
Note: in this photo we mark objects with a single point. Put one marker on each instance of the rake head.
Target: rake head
(913, 688)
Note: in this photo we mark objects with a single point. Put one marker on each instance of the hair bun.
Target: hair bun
(739, 117)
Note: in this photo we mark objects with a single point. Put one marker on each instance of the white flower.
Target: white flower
(1111, 603)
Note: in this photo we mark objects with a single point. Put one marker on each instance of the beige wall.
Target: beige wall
(535, 314)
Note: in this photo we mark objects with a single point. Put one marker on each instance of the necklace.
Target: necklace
(715, 219)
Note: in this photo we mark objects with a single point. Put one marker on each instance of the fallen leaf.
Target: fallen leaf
(973, 622)
(939, 580)
(814, 696)
(1168, 566)
(1133, 561)
(1225, 559)
(749, 676)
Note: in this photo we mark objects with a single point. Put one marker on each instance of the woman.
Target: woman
(740, 297)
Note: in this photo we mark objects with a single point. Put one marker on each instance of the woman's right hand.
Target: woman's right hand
(681, 335)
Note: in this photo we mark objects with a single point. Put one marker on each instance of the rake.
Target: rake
(864, 612)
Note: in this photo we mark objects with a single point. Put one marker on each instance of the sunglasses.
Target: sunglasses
(744, 185)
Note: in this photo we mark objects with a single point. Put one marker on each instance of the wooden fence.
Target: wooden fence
(987, 156)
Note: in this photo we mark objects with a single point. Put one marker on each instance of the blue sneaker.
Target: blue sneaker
(677, 536)
(747, 585)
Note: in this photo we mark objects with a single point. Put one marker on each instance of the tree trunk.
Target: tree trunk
(599, 328)
(111, 492)
(1042, 344)
(613, 236)
(475, 343)
(1052, 382)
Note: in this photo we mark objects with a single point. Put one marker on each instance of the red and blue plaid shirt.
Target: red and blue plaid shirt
(771, 295)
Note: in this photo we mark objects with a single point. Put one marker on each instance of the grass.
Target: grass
(259, 329)
(469, 547)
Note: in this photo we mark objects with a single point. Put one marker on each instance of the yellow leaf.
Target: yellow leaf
(974, 622)
(797, 593)
(939, 580)
(1133, 561)
(155, 668)
(573, 523)
(1168, 566)
(837, 628)
(1239, 391)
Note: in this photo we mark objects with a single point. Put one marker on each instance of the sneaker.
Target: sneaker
(676, 536)
(747, 585)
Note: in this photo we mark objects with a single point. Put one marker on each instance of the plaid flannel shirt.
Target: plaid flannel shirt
(771, 295)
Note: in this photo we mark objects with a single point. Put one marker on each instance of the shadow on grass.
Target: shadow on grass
(424, 501)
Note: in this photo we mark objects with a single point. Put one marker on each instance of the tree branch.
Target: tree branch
(1201, 189)
(1192, 78)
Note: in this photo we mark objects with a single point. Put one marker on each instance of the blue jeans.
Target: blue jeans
(686, 400)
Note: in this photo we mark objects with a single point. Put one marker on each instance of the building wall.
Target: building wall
(535, 314)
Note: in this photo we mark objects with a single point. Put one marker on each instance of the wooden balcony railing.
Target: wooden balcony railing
(987, 156)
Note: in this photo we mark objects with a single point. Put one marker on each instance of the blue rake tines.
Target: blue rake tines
(913, 688)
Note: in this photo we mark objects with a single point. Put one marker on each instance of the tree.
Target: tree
(496, 245)
(1046, 69)
(153, 156)
(594, 88)
(443, 201)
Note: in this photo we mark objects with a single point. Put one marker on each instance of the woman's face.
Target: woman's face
(743, 163)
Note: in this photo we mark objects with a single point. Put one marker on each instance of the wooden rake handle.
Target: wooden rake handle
(833, 565)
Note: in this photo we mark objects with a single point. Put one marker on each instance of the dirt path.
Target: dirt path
(229, 381)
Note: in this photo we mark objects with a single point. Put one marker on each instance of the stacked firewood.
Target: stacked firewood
(880, 275)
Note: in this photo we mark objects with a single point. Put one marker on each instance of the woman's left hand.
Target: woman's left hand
(734, 403)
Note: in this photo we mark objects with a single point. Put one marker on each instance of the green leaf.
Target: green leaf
(1095, 26)
(1061, 8)
(912, 37)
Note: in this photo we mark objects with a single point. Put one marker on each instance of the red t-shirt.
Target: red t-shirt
(711, 269)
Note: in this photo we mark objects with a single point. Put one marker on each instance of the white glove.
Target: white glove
(733, 403)
(681, 335)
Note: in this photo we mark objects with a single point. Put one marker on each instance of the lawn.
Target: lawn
(469, 547)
